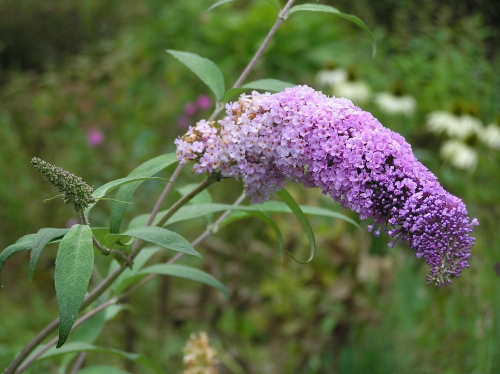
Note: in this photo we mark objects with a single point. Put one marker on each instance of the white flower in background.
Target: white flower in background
(355, 90)
(395, 104)
(330, 77)
(342, 82)
(453, 126)
(459, 154)
(490, 136)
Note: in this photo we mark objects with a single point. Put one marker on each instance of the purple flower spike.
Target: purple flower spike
(304, 136)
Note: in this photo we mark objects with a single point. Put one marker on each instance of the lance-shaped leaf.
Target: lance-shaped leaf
(159, 236)
(186, 272)
(219, 3)
(102, 369)
(110, 186)
(205, 69)
(297, 211)
(23, 244)
(74, 264)
(268, 85)
(125, 193)
(43, 237)
(336, 12)
(188, 212)
(78, 347)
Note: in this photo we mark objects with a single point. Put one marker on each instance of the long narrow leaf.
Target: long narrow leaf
(270, 85)
(160, 236)
(219, 3)
(186, 272)
(205, 69)
(78, 347)
(74, 264)
(110, 186)
(297, 211)
(23, 244)
(336, 12)
(125, 193)
(43, 237)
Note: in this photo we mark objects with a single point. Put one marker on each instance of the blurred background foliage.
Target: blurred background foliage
(88, 86)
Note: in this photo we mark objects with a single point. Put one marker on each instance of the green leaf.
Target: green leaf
(74, 264)
(110, 186)
(274, 227)
(89, 330)
(297, 211)
(125, 193)
(43, 237)
(78, 347)
(23, 244)
(219, 3)
(102, 369)
(334, 11)
(187, 272)
(160, 236)
(269, 85)
(121, 283)
(205, 69)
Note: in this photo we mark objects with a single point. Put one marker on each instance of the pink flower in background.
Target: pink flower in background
(95, 137)
(190, 109)
(204, 102)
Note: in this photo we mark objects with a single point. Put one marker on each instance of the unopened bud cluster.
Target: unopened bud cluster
(75, 190)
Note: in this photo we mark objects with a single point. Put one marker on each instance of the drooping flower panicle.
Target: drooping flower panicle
(75, 190)
(304, 136)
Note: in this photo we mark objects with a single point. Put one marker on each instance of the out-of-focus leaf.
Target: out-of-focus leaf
(336, 12)
(23, 244)
(74, 264)
(79, 347)
(186, 272)
(268, 85)
(205, 69)
(160, 236)
(110, 186)
(297, 211)
(121, 283)
(219, 3)
(102, 369)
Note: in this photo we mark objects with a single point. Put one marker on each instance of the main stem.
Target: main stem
(281, 17)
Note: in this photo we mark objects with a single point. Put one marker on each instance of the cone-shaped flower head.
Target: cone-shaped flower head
(75, 190)
(304, 136)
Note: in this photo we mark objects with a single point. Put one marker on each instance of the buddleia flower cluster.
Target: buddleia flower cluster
(75, 190)
(304, 136)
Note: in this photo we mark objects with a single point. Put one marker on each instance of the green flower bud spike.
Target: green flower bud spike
(75, 190)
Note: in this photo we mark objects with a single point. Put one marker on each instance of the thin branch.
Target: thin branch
(163, 195)
(281, 17)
